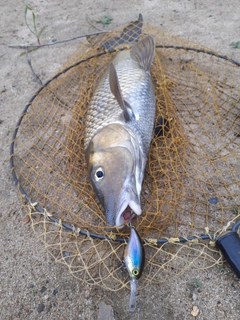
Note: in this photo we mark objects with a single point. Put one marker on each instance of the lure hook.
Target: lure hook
(129, 224)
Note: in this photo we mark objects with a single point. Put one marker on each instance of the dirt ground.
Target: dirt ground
(32, 285)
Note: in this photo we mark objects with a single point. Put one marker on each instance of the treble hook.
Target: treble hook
(130, 220)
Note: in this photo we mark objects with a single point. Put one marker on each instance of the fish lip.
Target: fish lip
(136, 210)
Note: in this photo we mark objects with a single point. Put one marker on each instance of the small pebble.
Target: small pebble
(43, 289)
(213, 200)
(195, 311)
(105, 312)
(26, 309)
(40, 307)
(65, 254)
(55, 292)
(194, 296)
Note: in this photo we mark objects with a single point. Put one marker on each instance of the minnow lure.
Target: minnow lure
(134, 260)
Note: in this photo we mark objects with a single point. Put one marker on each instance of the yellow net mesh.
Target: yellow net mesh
(192, 179)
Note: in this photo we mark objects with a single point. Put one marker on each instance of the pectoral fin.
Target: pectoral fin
(143, 52)
(116, 91)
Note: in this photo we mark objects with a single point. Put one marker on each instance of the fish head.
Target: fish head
(112, 169)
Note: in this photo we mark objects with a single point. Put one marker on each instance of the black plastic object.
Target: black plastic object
(229, 244)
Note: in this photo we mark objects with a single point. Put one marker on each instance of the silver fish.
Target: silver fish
(134, 260)
(118, 133)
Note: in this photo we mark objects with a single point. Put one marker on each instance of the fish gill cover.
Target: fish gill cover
(194, 159)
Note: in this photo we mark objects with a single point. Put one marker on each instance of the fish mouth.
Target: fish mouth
(127, 212)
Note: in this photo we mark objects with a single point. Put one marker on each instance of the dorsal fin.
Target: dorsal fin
(116, 91)
(143, 52)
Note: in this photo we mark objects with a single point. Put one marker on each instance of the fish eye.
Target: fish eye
(135, 272)
(99, 174)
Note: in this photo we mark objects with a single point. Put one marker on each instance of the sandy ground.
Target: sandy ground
(32, 285)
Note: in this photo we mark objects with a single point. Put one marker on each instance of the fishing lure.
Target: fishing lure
(134, 261)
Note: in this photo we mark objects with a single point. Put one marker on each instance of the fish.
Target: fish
(119, 130)
(134, 262)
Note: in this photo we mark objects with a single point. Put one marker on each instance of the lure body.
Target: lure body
(133, 255)
(134, 259)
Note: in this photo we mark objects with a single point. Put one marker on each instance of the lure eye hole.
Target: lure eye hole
(99, 174)
(135, 272)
